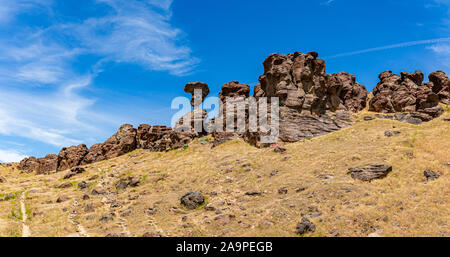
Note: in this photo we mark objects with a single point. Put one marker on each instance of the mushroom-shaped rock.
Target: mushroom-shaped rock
(191, 87)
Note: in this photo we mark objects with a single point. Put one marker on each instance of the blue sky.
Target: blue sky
(72, 73)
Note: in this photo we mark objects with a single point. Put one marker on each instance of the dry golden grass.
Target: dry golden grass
(399, 205)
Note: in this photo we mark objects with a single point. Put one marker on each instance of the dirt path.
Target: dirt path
(25, 229)
(81, 231)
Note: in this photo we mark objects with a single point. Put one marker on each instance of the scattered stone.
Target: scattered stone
(130, 181)
(96, 192)
(73, 172)
(2, 180)
(107, 217)
(305, 226)
(192, 200)
(86, 197)
(274, 172)
(431, 175)
(62, 199)
(210, 207)
(388, 134)
(367, 118)
(334, 234)
(279, 149)
(151, 211)
(253, 193)
(93, 178)
(300, 189)
(152, 234)
(370, 172)
(65, 185)
(83, 185)
(89, 208)
(447, 164)
(282, 191)
(447, 118)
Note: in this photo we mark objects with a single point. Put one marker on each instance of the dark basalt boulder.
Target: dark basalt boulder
(71, 157)
(305, 226)
(370, 172)
(192, 200)
(405, 93)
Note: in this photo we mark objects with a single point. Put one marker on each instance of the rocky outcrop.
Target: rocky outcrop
(194, 121)
(122, 142)
(162, 138)
(71, 157)
(309, 98)
(440, 86)
(41, 165)
(235, 92)
(352, 96)
(28, 164)
(405, 93)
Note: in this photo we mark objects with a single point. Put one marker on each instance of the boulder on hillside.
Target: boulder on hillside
(71, 157)
(162, 138)
(192, 200)
(441, 86)
(406, 94)
(370, 172)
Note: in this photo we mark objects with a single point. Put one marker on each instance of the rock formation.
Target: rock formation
(194, 121)
(235, 92)
(352, 96)
(122, 142)
(192, 86)
(405, 93)
(71, 157)
(309, 98)
(440, 86)
(40, 165)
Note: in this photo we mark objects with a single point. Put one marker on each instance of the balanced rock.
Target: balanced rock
(370, 172)
(192, 86)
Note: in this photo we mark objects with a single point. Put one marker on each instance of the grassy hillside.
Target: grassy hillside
(314, 173)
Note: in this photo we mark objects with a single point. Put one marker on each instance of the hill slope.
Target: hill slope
(314, 173)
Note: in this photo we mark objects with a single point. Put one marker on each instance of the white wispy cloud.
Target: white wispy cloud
(442, 49)
(10, 155)
(328, 2)
(393, 46)
(43, 94)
